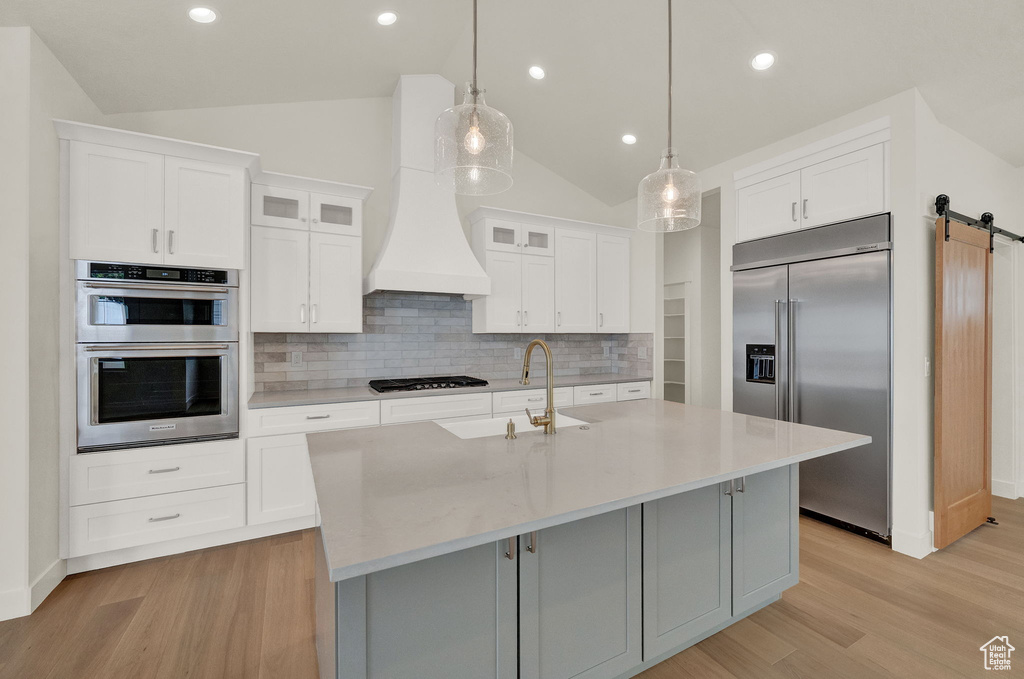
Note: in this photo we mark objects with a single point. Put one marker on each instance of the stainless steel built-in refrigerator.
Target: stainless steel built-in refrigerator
(812, 343)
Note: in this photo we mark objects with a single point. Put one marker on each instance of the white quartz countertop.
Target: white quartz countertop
(309, 397)
(393, 495)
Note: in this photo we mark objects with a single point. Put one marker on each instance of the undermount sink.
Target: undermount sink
(496, 426)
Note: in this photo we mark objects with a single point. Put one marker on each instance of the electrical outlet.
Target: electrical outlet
(297, 359)
(927, 366)
(643, 352)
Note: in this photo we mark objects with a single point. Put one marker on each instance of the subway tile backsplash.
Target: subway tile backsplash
(418, 334)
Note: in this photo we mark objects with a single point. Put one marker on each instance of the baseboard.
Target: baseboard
(1007, 489)
(117, 557)
(917, 545)
(14, 603)
(47, 582)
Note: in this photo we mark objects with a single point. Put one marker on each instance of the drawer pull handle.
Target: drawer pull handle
(165, 518)
(597, 393)
(317, 417)
(632, 391)
(164, 471)
(535, 399)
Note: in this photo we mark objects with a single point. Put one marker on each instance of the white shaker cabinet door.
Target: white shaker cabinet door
(335, 283)
(503, 309)
(575, 281)
(116, 204)
(280, 207)
(612, 284)
(279, 280)
(335, 214)
(579, 598)
(204, 214)
(850, 186)
(768, 208)
(503, 236)
(538, 294)
(279, 479)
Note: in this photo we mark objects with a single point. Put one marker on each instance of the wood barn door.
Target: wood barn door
(963, 381)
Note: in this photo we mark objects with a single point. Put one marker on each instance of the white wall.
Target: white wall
(350, 141)
(14, 338)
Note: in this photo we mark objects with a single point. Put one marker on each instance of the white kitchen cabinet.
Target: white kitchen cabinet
(612, 284)
(204, 214)
(335, 283)
(765, 536)
(687, 560)
(279, 479)
(580, 598)
(850, 186)
(514, 402)
(575, 281)
(502, 310)
(279, 280)
(538, 294)
(335, 214)
(769, 207)
(423, 408)
(632, 391)
(503, 236)
(307, 419)
(595, 393)
(282, 207)
(116, 209)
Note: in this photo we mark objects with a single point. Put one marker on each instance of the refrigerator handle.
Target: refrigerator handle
(791, 358)
(778, 382)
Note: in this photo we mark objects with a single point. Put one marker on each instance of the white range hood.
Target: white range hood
(425, 249)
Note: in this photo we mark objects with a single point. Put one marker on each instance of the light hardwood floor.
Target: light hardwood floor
(246, 610)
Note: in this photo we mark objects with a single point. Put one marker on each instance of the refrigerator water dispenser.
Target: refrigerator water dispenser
(761, 363)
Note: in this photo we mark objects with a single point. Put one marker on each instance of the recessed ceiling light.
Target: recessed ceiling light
(202, 15)
(628, 139)
(387, 18)
(762, 61)
(536, 72)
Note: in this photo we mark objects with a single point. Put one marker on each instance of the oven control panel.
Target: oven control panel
(143, 272)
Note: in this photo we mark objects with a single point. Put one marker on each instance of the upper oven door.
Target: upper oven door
(138, 394)
(119, 311)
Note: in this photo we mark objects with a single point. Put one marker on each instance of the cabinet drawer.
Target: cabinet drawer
(304, 419)
(107, 526)
(101, 477)
(597, 393)
(515, 401)
(631, 391)
(395, 411)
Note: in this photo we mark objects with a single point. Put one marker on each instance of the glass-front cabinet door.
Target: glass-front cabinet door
(335, 214)
(283, 208)
(538, 240)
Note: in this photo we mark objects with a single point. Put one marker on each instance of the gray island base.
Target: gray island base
(591, 554)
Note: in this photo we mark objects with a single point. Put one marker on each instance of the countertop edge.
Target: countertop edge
(442, 548)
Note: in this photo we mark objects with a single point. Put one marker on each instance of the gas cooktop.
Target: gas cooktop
(418, 383)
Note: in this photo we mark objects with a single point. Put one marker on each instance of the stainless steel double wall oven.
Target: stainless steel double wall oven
(157, 355)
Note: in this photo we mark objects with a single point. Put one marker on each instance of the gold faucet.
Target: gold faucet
(548, 419)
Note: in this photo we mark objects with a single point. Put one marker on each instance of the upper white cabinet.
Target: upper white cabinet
(306, 256)
(149, 200)
(840, 178)
(612, 284)
(204, 214)
(575, 281)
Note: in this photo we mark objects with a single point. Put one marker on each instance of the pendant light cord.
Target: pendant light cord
(474, 91)
(669, 152)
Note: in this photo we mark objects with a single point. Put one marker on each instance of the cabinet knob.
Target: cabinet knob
(315, 220)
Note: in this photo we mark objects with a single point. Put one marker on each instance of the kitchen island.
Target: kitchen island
(593, 553)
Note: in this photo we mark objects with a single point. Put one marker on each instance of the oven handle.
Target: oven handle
(127, 285)
(154, 347)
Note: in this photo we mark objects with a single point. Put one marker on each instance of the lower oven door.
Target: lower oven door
(155, 394)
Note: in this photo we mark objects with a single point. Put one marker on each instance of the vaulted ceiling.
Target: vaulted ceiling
(605, 63)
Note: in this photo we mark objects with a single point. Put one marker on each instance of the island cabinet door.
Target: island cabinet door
(579, 598)
(765, 537)
(687, 559)
(447, 617)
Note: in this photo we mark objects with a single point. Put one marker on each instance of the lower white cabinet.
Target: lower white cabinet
(279, 479)
(713, 554)
(632, 391)
(535, 399)
(597, 393)
(306, 419)
(107, 526)
(580, 598)
(422, 408)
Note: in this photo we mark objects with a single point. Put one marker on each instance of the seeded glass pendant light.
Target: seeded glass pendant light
(669, 199)
(473, 143)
